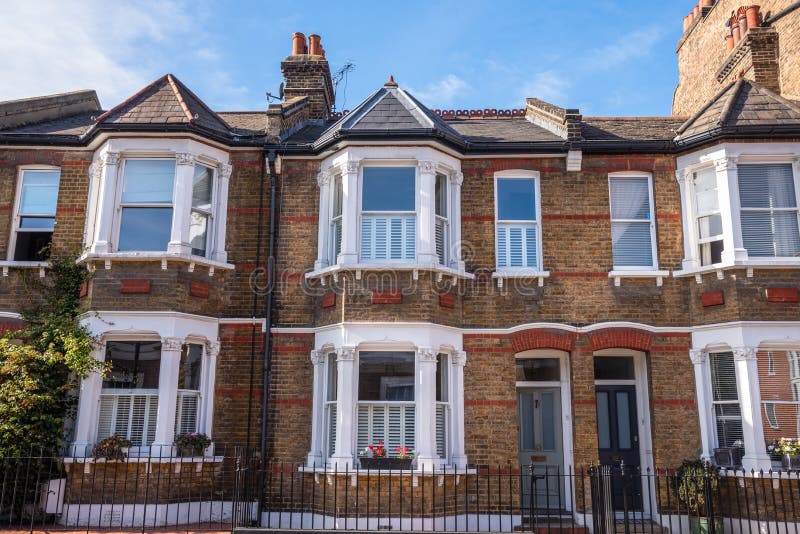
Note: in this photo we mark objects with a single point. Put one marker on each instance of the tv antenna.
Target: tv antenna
(341, 76)
(278, 97)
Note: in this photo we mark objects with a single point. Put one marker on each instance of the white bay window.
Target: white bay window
(769, 210)
(146, 204)
(388, 215)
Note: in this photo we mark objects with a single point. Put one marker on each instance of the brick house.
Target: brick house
(486, 287)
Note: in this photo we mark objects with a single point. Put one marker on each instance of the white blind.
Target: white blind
(186, 410)
(516, 245)
(631, 222)
(388, 237)
(330, 411)
(442, 414)
(336, 238)
(130, 416)
(441, 240)
(727, 411)
(391, 422)
(769, 210)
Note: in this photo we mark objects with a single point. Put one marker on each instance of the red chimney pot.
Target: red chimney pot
(314, 45)
(298, 44)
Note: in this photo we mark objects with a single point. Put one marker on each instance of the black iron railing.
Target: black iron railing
(219, 493)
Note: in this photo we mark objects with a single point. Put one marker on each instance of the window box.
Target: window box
(386, 463)
(728, 456)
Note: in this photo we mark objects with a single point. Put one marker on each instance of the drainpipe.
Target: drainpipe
(268, 335)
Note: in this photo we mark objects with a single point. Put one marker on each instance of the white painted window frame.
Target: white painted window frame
(651, 203)
(726, 157)
(12, 242)
(534, 271)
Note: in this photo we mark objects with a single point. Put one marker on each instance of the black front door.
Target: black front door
(618, 442)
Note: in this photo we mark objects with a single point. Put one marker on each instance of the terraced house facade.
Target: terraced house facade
(491, 287)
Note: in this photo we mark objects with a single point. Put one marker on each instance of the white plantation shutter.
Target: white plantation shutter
(331, 408)
(441, 429)
(631, 222)
(130, 416)
(186, 412)
(441, 240)
(769, 210)
(105, 420)
(393, 423)
(516, 245)
(388, 237)
(727, 411)
(336, 231)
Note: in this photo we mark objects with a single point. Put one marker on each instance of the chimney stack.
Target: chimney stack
(307, 74)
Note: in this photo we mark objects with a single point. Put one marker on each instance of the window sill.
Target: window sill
(522, 273)
(442, 471)
(145, 459)
(41, 265)
(164, 257)
(440, 270)
(750, 265)
(618, 275)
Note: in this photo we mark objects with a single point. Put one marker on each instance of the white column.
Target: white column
(728, 190)
(427, 457)
(456, 258)
(350, 204)
(167, 395)
(691, 258)
(345, 403)
(207, 393)
(181, 204)
(755, 454)
(705, 406)
(323, 232)
(316, 458)
(426, 233)
(88, 403)
(107, 173)
(221, 214)
(459, 361)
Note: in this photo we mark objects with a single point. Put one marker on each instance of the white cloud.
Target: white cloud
(549, 86)
(115, 47)
(637, 44)
(441, 94)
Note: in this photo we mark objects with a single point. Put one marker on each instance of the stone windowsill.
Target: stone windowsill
(619, 274)
(520, 274)
(108, 258)
(328, 471)
(440, 270)
(145, 460)
(41, 265)
(750, 265)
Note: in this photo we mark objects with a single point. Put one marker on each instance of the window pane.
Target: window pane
(202, 184)
(145, 229)
(388, 189)
(630, 198)
(133, 365)
(37, 223)
(32, 246)
(148, 181)
(723, 377)
(548, 421)
(709, 226)
(767, 233)
(442, 376)
(338, 194)
(516, 199)
(613, 368)
(198, 230)
(191, 367)
(526, 420)
(631, 244)
(441, 195)
(705, 190)
(623, 420)
(767, 186)
(386, 376)
(603, 421)
(538, 369)
(333, 373)
(39, 192)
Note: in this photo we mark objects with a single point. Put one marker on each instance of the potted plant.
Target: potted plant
(697, 483)
(788, 450)
(375, 457)
(112, 448)
(192, 444)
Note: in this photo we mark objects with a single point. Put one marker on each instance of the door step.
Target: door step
(634, 526)
(555, 522)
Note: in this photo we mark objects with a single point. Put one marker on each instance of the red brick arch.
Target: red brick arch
(621, 338)
(542, 338)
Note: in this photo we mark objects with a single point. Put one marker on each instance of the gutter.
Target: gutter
(268, 335)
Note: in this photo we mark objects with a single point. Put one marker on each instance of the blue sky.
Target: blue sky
(606, 57)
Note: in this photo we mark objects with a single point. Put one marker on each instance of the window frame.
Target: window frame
(714, 403)
(444, 259)
(333, 219)
(519, 174)
(361, 213)
(697, 215)
(16, 217)
(211, 233)
(653, 229)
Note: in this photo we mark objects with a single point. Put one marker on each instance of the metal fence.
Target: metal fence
(219, 493)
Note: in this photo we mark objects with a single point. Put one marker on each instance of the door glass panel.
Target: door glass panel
(603, 423)
(623, 420)
(548, 424)
(538, 369)
(613, 368)
(526, 421)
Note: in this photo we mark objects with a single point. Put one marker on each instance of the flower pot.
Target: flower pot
(702, 525)
(791, 461)
(385, 463)
(753, 16)
(189, 452)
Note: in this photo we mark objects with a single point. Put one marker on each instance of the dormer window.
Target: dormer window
(388, 216)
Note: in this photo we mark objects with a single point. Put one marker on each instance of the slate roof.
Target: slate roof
(165, 101)
(245, 122)
(74, 125)
(630, 128)
(743, 107)
(502, 131)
